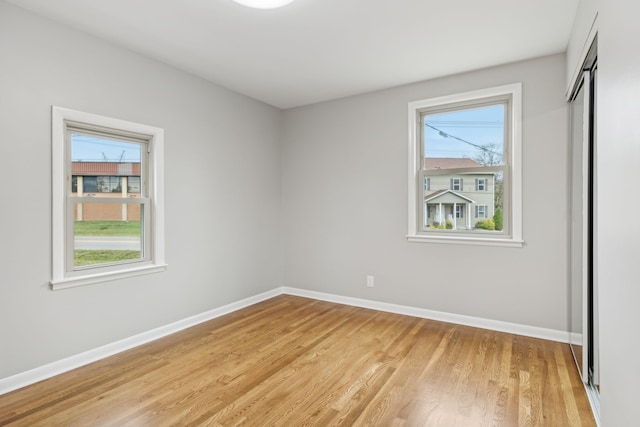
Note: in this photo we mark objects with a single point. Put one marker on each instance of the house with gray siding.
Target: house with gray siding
(456, 194)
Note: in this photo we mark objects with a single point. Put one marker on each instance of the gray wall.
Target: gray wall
(582, 25)
(222, 192)
(344, 188)
(618, 175)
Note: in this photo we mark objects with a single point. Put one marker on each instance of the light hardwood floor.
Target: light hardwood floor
(293, 361)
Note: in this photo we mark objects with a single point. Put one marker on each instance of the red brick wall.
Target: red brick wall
(106, 211)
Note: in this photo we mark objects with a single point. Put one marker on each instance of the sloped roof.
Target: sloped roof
(440, 193)
(432, 163)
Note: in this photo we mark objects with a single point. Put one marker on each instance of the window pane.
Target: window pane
(133, 184)
(103, 164)
(464, 138)
(89, 184)
(106, 233)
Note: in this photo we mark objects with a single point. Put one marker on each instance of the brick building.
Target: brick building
(106, 180)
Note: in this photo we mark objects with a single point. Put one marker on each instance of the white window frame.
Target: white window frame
(459, 211)
(481, 182)
(427, 183)
(511, 237)
(63, 276)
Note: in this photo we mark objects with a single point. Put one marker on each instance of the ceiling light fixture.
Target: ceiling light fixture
(263, 4)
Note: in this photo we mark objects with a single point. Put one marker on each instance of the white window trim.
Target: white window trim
(514, 239)
(60, 278)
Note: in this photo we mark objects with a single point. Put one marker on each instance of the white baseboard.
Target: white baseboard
(49, 370)
(575, 338)
(478, 322)
(35, 375)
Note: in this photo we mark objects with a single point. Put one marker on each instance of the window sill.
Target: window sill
(89, 279)
(467, 240)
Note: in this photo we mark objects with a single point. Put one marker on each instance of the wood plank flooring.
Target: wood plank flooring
(293, 361)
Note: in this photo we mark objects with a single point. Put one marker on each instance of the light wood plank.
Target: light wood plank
(292, 361)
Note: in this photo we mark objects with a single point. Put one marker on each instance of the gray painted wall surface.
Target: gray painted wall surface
(618, 253)
(344, 185)
(222, 192)
(582, 24)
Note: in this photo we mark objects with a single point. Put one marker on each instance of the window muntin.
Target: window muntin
(482, 211)
(107, 197)
(427, 183)
(454, 137)
(460, 211)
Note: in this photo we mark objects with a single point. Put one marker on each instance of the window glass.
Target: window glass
(459, 144)
(104, 238)
(106, 232)
(133, 184)
(89, 184)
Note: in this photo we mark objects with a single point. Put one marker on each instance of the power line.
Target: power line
(448, 135)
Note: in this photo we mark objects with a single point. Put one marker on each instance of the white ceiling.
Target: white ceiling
(315, 50)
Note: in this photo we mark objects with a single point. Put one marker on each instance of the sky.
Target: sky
(95, 149)
(478, 126)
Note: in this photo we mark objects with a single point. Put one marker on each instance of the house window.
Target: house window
(456, 184)
(97, 162)
(133, 184)
(455, 137)
(460, 211)
(427, 183)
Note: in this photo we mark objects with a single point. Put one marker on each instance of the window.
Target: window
(476, 136)
(133, 184)
(456, 184)
(427, 184)
(107, 179)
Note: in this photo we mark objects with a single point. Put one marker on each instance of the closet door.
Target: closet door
(594, 334)
(580, 220)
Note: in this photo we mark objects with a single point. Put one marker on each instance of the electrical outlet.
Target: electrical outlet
(369, 281)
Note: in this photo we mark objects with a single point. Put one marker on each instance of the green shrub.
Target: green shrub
(486, 224)
(497, 219)
(449, 225)
(440, 227)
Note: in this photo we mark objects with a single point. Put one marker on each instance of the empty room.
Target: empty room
(305, 212)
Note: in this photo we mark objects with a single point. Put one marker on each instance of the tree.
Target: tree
(497, 219)
(491, 155)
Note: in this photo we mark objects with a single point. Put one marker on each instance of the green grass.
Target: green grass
(102, 256)
(107, 228)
